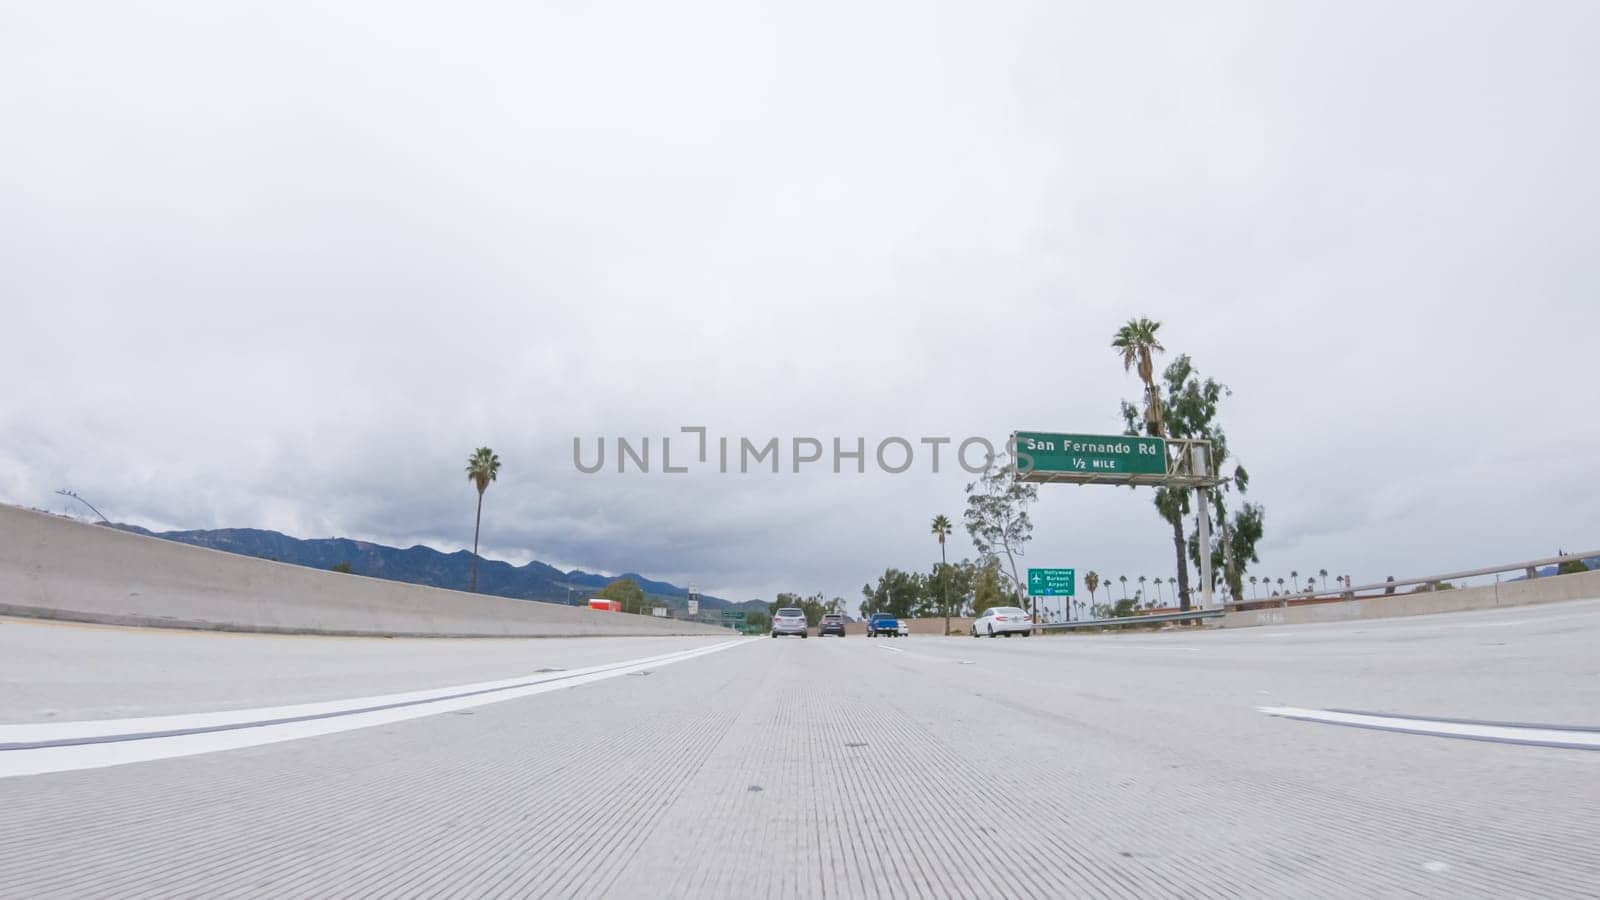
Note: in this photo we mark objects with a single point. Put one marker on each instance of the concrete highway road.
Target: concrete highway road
(146, 763)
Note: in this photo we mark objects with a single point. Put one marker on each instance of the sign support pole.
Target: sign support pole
(1201, 465)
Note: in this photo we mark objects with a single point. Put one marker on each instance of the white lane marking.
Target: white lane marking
(43, 760)
(55, 731)
(1511, 734)
(890, 649)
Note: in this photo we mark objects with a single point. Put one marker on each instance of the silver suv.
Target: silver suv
(789, 620)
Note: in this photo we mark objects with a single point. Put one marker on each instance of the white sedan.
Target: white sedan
(1006, 620)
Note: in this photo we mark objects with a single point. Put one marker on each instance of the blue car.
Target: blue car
(883, 623)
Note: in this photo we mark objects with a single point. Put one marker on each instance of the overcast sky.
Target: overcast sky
(282, 266)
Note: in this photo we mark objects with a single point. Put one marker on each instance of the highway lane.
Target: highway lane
(1112, 765)
(68, 669)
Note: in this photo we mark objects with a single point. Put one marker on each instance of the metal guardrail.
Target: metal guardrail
(1389, 587)
(1156, 619)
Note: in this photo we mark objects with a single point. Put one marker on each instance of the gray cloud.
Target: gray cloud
(280, 266)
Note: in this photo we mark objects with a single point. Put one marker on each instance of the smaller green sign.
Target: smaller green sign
(1052, 582)
(733, 615)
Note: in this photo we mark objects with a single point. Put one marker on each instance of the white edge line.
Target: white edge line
(94, 756)
(33, 732)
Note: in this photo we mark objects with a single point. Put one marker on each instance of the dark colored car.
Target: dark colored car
(883, 623)
(833, 623)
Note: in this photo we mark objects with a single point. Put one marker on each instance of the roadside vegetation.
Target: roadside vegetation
(1179, 404)
(1185, 405)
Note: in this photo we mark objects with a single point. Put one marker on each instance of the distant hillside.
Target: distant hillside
(425, 565)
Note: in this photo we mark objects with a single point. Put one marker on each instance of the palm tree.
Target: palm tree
(1092, 582)
(1253, 593)
(1294, 579)
(1138, 343)
(941, 530)
(1157, 582)
(482, 467)
(1324, 574)
(1280, 584)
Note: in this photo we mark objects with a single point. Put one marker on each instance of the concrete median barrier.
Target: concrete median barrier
(56, 568)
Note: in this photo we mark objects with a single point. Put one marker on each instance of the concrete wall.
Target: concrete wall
(58, 568)
(1551, 589)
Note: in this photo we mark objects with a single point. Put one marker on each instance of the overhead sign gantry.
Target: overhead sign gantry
(1045, 457)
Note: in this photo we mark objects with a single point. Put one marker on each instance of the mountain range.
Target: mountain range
(425, 565)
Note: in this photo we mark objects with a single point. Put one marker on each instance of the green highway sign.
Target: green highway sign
(1090, 455)
(733, 616)
(1052, 582)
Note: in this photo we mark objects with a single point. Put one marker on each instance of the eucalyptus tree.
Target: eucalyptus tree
(1193, 405)
(1189, 410)
(997, 517)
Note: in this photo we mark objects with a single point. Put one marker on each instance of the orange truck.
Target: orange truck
(607, 605)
